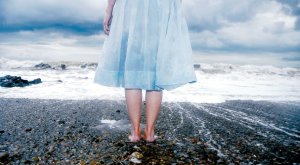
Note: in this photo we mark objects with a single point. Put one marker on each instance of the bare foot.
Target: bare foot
(150, 137)
(135, 137)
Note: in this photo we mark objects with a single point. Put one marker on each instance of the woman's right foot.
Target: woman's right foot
(135, 136)
(150, 137)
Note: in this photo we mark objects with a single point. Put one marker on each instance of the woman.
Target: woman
(147, 48)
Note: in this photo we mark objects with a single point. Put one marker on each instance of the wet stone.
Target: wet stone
(4, 156)
(28, 129)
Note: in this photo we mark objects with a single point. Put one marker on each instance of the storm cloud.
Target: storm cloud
(78, 16)
(216, 26)
(293, 7)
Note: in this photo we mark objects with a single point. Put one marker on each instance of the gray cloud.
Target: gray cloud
(84, 16)
(243, 26)
(215, 25)
(20, 12)
(213, 14)
(293, 7)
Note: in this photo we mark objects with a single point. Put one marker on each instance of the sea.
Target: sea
(216, 82)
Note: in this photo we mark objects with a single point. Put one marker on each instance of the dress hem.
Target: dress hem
(112, 79)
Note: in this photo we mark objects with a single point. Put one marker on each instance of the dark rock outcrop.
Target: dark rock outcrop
(90, 65)
(63, 66)
(16, 81)
(42, 66)
(197, 66)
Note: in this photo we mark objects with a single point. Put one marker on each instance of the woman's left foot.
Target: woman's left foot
(150, 137)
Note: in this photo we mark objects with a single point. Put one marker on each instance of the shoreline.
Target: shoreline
(95, 131)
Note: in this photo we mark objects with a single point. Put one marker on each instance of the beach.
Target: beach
(45, 131)
(243, 108)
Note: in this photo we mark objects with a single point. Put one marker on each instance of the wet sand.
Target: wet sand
(95, 132)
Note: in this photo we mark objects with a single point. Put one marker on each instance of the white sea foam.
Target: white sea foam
(216, 83)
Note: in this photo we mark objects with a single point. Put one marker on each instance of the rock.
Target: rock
(42, 66)
(51, 149)
(118, 111)
(61, 122)
(135, 157)
(28, 129)
(12, 81)
(63, 66)
(93, 65)
(27, 162)
(35, 81)
(36, 159)
(102, 162)
(7, 84)
(2, 131)
(59, 81)
(97, 140)
(194, 140)
(93, 162)
(119, 144)
(135, 160)
(9, 81)
(138, 155)
(82, 162)
(83, 66)
(197, 66)
(4, 156)
(3, 147)
(137, 148)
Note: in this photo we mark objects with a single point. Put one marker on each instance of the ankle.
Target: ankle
(136, 131)
(149, 131)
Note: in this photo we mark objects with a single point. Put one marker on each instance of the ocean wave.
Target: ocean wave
(8, 64)
(203, 68)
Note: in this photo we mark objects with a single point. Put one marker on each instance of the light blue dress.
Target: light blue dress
(148, 47)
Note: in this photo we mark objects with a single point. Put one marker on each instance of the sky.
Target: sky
(221, 31)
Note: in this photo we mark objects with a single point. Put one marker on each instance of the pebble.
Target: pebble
(93, 162)
(135, 160)
(2, 131)
(82, 162)
(28, 129)
(36, 159)
(61, 122)
(4, 156)
(194, 140)
(51, 149)
(135, 157)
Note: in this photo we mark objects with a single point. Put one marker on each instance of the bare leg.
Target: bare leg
(153, 103)
(134, 106)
